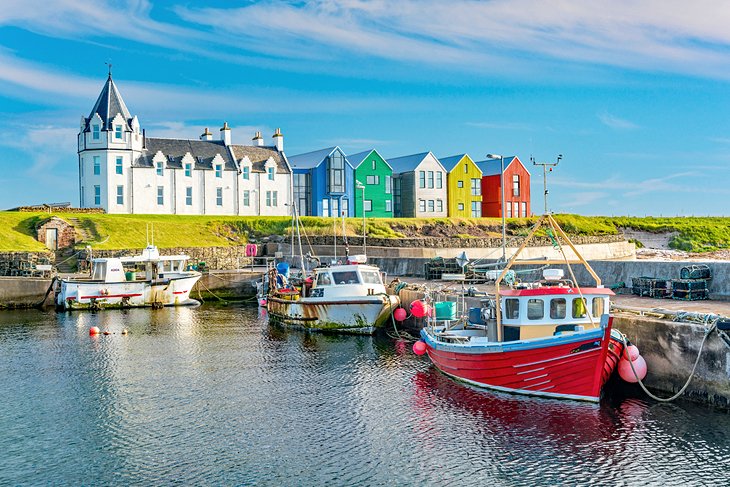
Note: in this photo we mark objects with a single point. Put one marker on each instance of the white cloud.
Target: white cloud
(615, 122)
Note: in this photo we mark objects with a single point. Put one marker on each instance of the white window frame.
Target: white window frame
(219, 170)
(188, 196)
(422, 206)
(388, 205)
(120, 194)
(160, 168)
(118, 132)
(188, 169)
(160, 195)
(97, 165)
(97, 195)
(120, 165)
(388, 184)
(219, 196)
(439, 179)
(95, 131)
(246, 172)
(368, 206)
(246, 197)
(271, 173)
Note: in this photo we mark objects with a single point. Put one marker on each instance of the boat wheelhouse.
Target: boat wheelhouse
(149, 279)
(552, 338)
(348, 298)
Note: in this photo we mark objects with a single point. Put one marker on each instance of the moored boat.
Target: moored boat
(552, 338)
(149, 279)
(346, 298)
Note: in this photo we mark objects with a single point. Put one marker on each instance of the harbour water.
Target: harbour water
(214, 395)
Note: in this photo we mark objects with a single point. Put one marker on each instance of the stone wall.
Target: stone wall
(57, 209)
(66, 236)
(219, 258)
(24, 263)
(453, 242)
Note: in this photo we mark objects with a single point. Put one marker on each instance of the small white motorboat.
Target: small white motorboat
(149, 279)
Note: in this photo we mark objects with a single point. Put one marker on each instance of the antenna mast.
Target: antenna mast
(545, 170)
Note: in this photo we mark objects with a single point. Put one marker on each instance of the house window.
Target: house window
(476, 209)
(421, 179)
(120, 168)
(439, 205)
(439, 180)
(524, 210)
(301, 193)
(219, 196)
(325, 207)
(336, 172)
(430, 179)
(431, 206)
(246, 172)
(271, 172)
(97, 166)
(95, 132)
(271, 197)
(97, 195)
(188, 170)
(516, 210)
(461, 206)
(246, 198)
(509, 209)
(466, 168)
(160, 167)
(516, 185)
(368, 206)
(476, 187)
(120, 195)
(373, 180)
(118, 132)
(557, 308)
(219, 170)
(460, 184)
(388, 184)
(388, 205)
(160, 195)
(189, 196)
(422, 205)
(344, 208)
(373, 164)
(396, 197)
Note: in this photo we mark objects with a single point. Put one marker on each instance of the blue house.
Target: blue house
(323, 183)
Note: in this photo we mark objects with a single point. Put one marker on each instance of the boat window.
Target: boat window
(598, 306)
(535, 309)
(323, 279)
(580, 307)
(511, 308)
(99, 272)
(348, 277)
(370, 277)
(557, 308)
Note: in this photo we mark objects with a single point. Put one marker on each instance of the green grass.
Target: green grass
(17, 230)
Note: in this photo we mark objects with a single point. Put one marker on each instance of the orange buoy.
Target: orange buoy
(94, 330)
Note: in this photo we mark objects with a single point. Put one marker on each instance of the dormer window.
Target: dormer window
(160, 168)
(118, 132)
(271, 171)
(219, 170)
(95, 131)
(246, 172)
(188, 170)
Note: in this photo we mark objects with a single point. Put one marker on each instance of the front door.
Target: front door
(51, 238)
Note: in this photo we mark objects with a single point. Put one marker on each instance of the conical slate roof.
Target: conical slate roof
(108, 105)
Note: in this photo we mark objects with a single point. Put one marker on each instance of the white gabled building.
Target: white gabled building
(123, 171)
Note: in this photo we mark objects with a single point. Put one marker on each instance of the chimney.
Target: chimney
(206, 135)
(278, 140)
(258, 141)
(226, 134)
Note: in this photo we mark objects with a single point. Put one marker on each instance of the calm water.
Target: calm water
(217, 396)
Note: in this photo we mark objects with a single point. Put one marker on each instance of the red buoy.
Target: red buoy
(94, 330)
(627, 374)
(419, 309)
(419, 348)
(399, 314)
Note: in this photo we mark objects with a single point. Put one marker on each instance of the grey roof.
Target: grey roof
(259, 156)
(108, 105)
(491, 167)
(357, 159)
(407, 163)
(310, 160)
(203, 151)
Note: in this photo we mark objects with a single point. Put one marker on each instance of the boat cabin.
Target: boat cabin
(347, 281)
(146, 267)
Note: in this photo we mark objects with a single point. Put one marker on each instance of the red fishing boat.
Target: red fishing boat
(550, 338)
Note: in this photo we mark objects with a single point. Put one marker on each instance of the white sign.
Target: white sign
(44, 267)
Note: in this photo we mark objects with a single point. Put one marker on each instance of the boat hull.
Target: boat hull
(361, 316)
(80, 294)
(567, 367)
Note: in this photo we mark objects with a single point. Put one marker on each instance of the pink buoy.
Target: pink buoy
(632, 351)
(624, 369)
(419, 348)
(94, 330)
(399, 314)
(418, 309)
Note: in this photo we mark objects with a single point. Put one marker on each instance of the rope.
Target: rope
(689, 379)
(211, 292)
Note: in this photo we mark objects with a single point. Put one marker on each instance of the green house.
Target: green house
(374, 178)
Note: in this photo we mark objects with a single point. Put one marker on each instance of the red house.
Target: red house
(517, 188)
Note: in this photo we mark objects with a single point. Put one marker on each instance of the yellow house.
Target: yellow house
(464, 183)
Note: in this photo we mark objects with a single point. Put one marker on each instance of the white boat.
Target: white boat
(346, 298)
(149, 279)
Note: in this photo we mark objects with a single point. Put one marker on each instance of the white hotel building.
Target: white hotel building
(123, 171)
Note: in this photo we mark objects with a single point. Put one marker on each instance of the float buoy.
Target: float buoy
(94, 330)
(631, 356)
(399, 314)
(419, 309)
(419, 348)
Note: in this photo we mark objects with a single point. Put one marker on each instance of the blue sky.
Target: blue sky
(635, 95)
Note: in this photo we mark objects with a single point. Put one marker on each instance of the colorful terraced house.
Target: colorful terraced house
(373, 183)
(464, 181)
(323, 182)
(419, 186)
(517, 188)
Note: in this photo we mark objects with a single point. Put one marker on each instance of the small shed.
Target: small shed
(56, 233)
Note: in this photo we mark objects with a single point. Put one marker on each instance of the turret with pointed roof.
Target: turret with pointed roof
(108, 106)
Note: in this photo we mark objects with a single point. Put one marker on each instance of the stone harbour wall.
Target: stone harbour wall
(219, 258)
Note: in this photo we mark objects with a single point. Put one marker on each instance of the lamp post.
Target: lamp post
(359, 185)
(501, 185)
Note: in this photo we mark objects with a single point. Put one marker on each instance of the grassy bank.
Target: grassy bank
(17, 230)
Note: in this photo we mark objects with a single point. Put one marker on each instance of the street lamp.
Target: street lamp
(359, 185)
(501, 184)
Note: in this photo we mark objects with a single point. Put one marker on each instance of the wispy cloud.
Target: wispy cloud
(615, 122)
